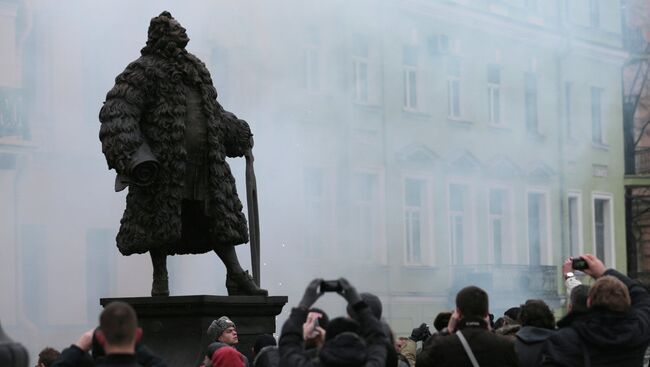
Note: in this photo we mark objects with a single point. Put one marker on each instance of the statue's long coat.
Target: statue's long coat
(147, 105)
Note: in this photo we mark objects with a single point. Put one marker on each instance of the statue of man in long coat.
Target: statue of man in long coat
(167, 137)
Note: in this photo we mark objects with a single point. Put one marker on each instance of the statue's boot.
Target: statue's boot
(160, 285)
(238, 281)
(242, 284)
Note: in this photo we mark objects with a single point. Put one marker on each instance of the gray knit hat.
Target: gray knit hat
(219, 326)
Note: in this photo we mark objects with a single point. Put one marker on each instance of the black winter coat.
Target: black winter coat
(75, 357)
(604, 338)
(490, 350)
(345, 350)
(147, 106)
(528, 344)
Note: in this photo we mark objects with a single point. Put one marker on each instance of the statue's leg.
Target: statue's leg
(238, 281)
(160, 286)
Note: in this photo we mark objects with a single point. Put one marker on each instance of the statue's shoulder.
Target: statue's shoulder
(196, 61)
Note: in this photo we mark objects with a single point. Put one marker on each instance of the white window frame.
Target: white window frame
(312, 77)
(494, 108)
(546, 250)
(470, 250)
(379, 248)
(327, 212)
(427, 256)
(360, 84)
(410, 73)
(601, 123)
(610, 254)
(454, 90)
(508, 248)
(576, 194)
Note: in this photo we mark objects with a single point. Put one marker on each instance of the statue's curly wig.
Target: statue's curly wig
(166, 37)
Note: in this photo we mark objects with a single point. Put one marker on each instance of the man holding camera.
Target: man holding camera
(113, 344)
(615, 331)
(341, 348)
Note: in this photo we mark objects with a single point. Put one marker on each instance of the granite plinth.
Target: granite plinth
(175, 327)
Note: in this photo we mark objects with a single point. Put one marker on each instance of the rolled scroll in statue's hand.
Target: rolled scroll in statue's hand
(143, 169)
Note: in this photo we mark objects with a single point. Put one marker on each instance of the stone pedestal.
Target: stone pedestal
(175, 327)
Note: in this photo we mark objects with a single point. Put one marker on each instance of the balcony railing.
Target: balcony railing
(12, 114)
(642, 161)
(531, 279)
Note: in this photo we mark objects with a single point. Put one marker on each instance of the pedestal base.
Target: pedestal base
(175, 327)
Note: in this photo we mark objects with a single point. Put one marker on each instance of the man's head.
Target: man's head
(578, 298)
(165, 35)
(341, 325)
(373, 302)
(47, 356)
(472, 302)
(223, 330)
(441, 321)
(610, 293)
(118, 326)
(535, 312)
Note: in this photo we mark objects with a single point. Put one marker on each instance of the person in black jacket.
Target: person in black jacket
(471, 319)
(614, 332)
(537, 325)
(118, 335)
(342, 348)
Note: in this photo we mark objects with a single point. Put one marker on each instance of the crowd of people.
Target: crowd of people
(606, 324)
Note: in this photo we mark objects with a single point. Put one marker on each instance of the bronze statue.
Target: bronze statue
(167, 137)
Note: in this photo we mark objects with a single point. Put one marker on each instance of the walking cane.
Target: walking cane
(253, 217)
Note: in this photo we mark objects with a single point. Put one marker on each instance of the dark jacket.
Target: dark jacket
(148, 105)
(269, 356)
(488, 348)
(528, 344)
(602, 337)
(75, 357)
(345, 350)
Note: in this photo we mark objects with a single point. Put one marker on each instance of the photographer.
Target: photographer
(113, 344)
(342, 347)
(614, 332)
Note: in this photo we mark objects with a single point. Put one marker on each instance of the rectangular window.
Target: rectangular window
(571, 133)
(603, 229)
(530, 98)
(316, 219)
(410, 57)
(597, 116)
(594, 13)
(414, 219)
(360, 70)
(310, 62)
(575, 224)
(494, 94)
(34, 250)
(458, 222)
(537, 227)
(498, 223)
(453, 87)
(367, 211)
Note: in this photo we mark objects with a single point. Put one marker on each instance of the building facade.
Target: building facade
(414, 147)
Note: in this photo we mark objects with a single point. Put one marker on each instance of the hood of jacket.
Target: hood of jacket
(345, 350)
(532, 334)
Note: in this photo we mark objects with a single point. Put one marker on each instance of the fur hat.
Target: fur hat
(219, 326)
